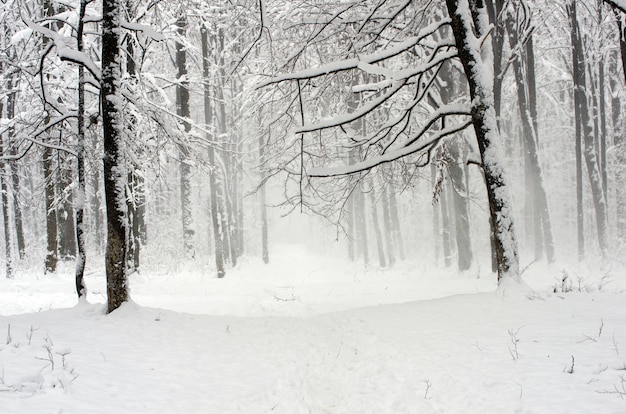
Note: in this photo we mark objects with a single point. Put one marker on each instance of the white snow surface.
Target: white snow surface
(314, 334)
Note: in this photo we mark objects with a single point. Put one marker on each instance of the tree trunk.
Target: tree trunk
(65, 210)
(535, 191)
(218, 231)
(5, 206)
(114, 166)
(460, 202)
(81, 290)
(361, 224)
(485, 126)
(388, 226)
(182, 110)
(446, 235)
(582, 113)
(395, 220)
(13, 172)
(51, 212)
(379, 237)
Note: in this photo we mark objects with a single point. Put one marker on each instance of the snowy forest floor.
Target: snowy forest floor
(312, 334)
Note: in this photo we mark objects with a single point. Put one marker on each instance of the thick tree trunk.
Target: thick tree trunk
(218, 231)
(182, 110)
(485, 126)
(582, 113)
(114, 166)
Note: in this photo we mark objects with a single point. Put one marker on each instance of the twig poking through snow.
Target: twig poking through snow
(428, 385)
(570, 369)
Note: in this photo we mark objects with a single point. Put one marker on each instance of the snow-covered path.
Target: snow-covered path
(472, 353)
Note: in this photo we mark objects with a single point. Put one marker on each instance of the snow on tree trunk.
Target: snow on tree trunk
(114, 166)
(81, 257)
(478, 68)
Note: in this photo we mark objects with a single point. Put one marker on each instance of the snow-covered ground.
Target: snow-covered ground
(314, 334)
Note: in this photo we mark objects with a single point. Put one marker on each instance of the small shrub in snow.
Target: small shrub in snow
(54, 374)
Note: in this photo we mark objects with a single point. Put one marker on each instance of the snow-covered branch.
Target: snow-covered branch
(390, 156)
(361, 61)
(65, 52)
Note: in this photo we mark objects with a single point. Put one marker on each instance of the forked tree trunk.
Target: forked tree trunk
(114, 165)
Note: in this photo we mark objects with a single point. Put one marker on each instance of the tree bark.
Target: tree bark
(51, 213)
(469, 47)
(81, 290)
(114, 166)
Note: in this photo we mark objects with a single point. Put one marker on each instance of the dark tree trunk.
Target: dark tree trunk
(51, 212)
(582, 113)
(218, 231)
(13, 173)
(65, 211)
(114, 165)
(81, 290)
(182, 110)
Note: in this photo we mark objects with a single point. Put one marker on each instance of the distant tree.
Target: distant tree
(585, 128)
